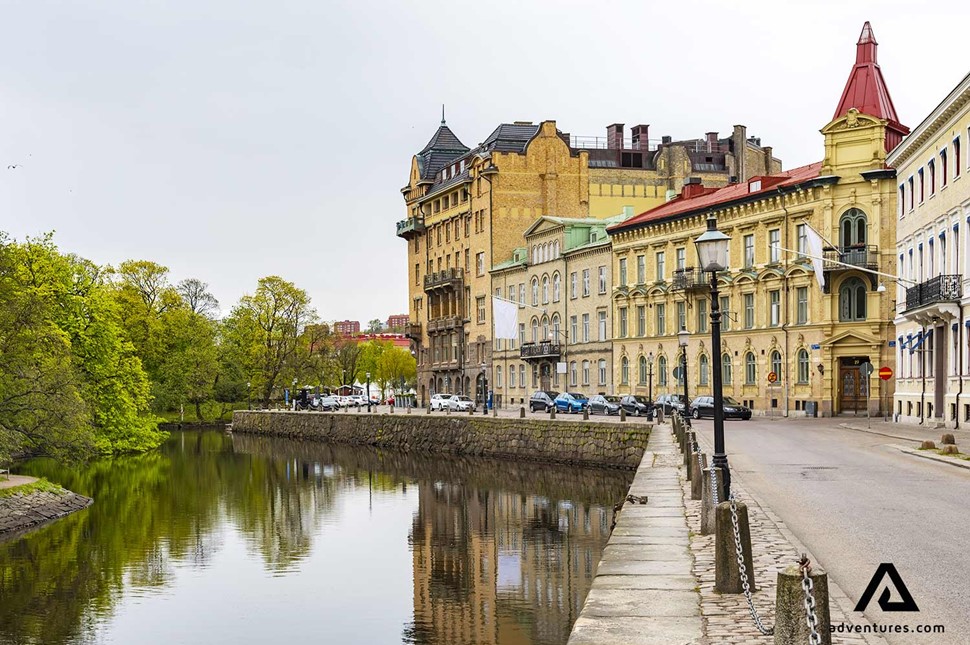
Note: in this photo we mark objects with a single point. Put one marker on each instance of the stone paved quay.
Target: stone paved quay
(644, 592)
(20, 511)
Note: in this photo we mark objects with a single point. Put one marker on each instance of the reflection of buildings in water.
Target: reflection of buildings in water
(494, 566)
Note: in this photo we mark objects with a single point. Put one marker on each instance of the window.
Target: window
(801, 232)
(641, 321)
(852, 300)
(774, 299)
(750, 369)
(749, 311)
(681, 315)
(702, 316)
(802, 366)
(748, 251)
(535, 376)
(622, 272)
(956, 157)
(498, 376)
(641, 269)
(602, 371)
(661, 266)
(585, 282)
(643, 370)
(726, 368)
(417, 273)
(602, 279)
(573, 329)
(622, 322)
(943, 168)
(661, 320)
(535, 292)
(585, 372)
(521, 333)
(585, 328)
(705, 369)
(725, 313)
(774, 245)
(625, 371)
(922, 185)
(662, 371)
(931, 165)
(901, 200)
(556, 287)
(545, 289)
(911, 192)
(521, 375)
(681, 258)
(535, 330)
(601, 321)
(853, 232)
(572, 373)
(511, 375)
(572, 284)
(776, 365)
(545, 329)
(480, 305)
(801, 300)
(556, 331)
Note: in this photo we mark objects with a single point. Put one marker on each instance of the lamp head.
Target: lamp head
(712, 248)
(682, 337)
(881, 288)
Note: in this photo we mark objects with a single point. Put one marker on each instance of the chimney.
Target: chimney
(640, 139)
(692, 188)
(614, 136)
(767, 150)
(711, 141)
(739, 139)
(666, 139)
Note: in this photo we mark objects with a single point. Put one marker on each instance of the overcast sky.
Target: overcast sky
(232, 140)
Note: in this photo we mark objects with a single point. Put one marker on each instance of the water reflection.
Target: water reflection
(315, 539)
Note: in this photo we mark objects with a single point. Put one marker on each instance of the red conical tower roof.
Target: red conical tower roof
(866, 89)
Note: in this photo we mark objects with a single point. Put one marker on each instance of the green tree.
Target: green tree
(397, 366)
(375, 326)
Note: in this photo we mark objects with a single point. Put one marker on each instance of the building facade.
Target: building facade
(397, 322)
(932, 229)
(468, 208)
(788, 347)
(347, 327)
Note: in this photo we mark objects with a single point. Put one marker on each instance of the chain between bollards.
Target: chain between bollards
(743, 571)
(805, 566)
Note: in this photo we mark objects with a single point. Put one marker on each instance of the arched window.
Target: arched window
(776, 364)
(662, 370)
(556, 334)
(643, 370)
(535, 292)
(498, 375)
(535, 255)
(556, 287)
(555, 249)
(852, 300)
(726, 368)
(705, 369)
(545, 289)
(853, 229)
(535, 330)
(750, 369)
(585, 372)
(802, 366)
(545, 328)
(572, 373)
(625, 371)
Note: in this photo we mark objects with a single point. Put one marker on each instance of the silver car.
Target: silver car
(460, 403)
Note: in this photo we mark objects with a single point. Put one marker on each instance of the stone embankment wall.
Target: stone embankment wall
(20, 511)
(612, 445)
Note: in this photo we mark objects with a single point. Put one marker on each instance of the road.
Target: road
(855, 502)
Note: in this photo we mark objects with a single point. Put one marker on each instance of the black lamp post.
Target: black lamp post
(368, 391)
(650, 376)
(484, 392)
(682, 337)
(249, 395)
(712, 251)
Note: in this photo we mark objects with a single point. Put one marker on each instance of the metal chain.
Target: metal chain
(714, 487)
(808, 587)
(743, 571)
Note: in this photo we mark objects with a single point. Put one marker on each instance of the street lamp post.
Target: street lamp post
(682, 337)
(343, 379)
(293, 392)
(484, 392)
(712, 251)
(368, 391)
(249, 395)
(650, 375)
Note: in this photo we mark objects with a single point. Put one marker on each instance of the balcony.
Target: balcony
(444, 324)
(689, 279)
(862, 256)
(936, 291)
(408, 228)
(447, 279)
(545, 350)
(413, 331)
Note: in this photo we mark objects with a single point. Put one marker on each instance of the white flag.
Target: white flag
(506, 317)
(814, 241)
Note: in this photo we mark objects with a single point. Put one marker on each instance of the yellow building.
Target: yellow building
(777, 321)
(467, 209)
(933, 213)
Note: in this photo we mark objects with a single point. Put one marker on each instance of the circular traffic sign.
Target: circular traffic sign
(885, 373)
(867, 368)
(677, 370)
(772, 377)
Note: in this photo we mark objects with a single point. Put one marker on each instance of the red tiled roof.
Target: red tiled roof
(714, 197)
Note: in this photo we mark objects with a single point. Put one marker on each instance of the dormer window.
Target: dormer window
(754, 186)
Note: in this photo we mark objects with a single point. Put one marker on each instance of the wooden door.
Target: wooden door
(852, 389)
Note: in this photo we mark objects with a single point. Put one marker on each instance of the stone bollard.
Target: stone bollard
(407, 410)
(658, 415)
(552, 413)
(947, 439)
(448, 410)
(471, 412)
(727, 578)
(790, 625)
(390, 409)
(688, 453)
(428, 410)
(699, 463)
(585, 414)
(622, 415)
(707, 503)
(494, 412)
(522, 412)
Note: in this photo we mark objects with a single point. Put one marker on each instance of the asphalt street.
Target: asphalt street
(855, 502)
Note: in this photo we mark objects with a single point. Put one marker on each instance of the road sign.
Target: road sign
(867, 368)
(816, 346)
(772, 377)
(677, 370)
(885, 373)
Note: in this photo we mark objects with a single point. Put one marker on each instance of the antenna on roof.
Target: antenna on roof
(442, 114)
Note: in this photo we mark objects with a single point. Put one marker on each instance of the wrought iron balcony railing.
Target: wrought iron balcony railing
(443, 279)
(540, 350)
(942, 288)
(444, 324)
(688, 279)
(863, 256)
(413, 331)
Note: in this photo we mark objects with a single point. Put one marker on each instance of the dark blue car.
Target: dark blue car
(572, 402)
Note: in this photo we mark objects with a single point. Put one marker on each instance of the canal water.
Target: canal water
(219, 538)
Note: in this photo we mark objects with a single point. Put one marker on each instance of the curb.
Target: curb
(846, 426)
(932, 457)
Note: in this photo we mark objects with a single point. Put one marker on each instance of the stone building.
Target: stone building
(561, 282)
(776, 318)
(932, 229)
(468, 208)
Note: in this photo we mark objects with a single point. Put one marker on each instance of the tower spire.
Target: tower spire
(443, 112)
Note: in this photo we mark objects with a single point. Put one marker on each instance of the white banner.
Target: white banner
(506, 317)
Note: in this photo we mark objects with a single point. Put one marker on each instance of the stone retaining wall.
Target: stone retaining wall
(21, 511)
(611, 445)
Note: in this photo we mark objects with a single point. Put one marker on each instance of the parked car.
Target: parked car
(328, 403)
(670, 403)
(636, 405)
(604, 404)
(461, 403)
(703, 406)
(572, 402)
(358, 400)
(440, 401)
(543, 400)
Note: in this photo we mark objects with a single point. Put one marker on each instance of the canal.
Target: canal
(218, 538)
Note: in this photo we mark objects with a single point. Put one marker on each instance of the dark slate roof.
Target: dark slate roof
(443, 148)
(509, 137)
(444, 140)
